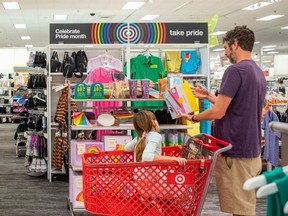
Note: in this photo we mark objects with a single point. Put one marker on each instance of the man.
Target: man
(237, 114)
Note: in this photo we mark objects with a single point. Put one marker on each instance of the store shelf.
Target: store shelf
(128, 126)
(119, 100)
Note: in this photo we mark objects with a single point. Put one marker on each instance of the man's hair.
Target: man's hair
(244, 36)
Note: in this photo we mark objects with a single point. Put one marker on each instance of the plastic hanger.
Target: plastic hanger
(39, 98)
(258, 181)
(286, 208)
(59, 87)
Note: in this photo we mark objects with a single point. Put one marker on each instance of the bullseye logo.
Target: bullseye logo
(109, 33)
(179, 179)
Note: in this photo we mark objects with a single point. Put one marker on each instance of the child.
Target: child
(147, 145)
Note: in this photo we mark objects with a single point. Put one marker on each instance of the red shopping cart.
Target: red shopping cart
(113, 184)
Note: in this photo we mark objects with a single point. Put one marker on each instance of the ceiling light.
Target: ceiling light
(218, 33)
(11, 5)
(269, 46)
(218, 50)
(269, 49)
(270, 17)
(25, 37)
(182, 5)
(275, 52)
(132, 5)
(149, 17)
(29, 45)
(256, 42)
(60, 17)
(257, 6)
(20, 26)
(284, 27)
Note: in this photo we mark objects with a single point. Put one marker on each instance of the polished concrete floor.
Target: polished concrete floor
(24, 195)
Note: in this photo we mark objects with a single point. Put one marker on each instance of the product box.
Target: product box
(78, 147)
(180, 97)
(114, 142)
(76, 189)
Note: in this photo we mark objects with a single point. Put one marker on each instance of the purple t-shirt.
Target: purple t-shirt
(245, 83)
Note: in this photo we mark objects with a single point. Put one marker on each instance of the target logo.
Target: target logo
(180, 178)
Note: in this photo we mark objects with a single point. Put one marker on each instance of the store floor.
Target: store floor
(23, 195)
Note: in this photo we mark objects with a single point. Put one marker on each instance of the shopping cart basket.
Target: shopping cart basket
(113, 184)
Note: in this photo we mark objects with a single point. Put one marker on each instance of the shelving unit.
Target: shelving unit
(6, 93)
(124, 51)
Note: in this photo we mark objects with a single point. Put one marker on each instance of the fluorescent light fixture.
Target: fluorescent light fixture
(284, 27)
(269, 46)
(218, 33)
(218, 50)
(60, 17)
(267, 61)
(275, 52)
(268, 49)
(256, 42)
(182, 5)
(257, 6)
(11, 5)
(132, 5)
(270, 17)
(25, 38)
(20, 26)
(149, 17)
(29, 45)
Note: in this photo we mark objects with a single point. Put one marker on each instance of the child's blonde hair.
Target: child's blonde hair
(143, 124)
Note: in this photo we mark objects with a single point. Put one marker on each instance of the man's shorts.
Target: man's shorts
(230, 174)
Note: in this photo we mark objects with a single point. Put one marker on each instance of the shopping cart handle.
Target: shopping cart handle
(213, 144)
(216, 141)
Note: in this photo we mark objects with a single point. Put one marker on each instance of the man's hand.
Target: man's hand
(199, 91)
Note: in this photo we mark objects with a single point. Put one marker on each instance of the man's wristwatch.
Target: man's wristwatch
(194, 120)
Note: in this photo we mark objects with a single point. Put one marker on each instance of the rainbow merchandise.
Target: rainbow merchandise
(180, 97)
(83, 118)
(78, 147)
(76, 189)
(115, 142)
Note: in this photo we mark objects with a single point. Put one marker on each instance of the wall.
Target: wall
(10, 57)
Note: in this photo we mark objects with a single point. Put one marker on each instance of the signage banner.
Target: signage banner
(133, 33)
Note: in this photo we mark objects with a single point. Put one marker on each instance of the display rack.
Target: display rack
(124, 51)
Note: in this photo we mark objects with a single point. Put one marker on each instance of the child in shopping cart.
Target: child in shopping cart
(148, 143)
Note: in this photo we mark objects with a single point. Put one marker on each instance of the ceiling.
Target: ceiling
(38, 14)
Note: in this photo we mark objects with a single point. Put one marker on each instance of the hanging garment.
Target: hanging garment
(102, 75)
(273, 202)
(105, 59)
(172, 61)
(146, 67)
(190, 62)
(271, 148)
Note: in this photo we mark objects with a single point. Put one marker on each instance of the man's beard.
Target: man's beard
(232, 58)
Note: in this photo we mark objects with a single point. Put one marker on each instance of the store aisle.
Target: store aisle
(22, 195)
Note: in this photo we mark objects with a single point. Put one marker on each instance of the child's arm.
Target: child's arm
(181, 161)
(129, 147)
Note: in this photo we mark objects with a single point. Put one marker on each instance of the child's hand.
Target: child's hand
(181, 161)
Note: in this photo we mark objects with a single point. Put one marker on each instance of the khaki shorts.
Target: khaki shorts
(230, 174)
